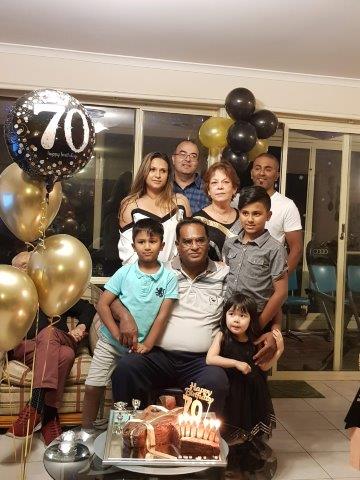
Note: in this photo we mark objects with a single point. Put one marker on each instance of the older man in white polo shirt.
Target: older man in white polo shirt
(285, 222)
(180, 356)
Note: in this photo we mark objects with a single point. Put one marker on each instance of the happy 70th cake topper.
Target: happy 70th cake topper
(193, 396)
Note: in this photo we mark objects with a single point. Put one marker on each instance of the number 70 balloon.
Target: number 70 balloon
(50, 135)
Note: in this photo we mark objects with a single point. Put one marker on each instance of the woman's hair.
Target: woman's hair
(138, 188)
(228, 170)
(245, 305)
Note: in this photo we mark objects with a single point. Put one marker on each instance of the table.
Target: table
(249, 461)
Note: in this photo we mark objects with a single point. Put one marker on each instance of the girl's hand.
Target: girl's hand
(243, 367)
(141, 348)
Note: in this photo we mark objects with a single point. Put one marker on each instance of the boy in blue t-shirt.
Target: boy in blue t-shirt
(148, 290)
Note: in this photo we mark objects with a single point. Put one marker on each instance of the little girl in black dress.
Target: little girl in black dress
(249, 408)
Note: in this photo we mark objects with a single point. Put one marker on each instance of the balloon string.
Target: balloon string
(6, 376)
(28, 443)
(42, 227)
(52, 322)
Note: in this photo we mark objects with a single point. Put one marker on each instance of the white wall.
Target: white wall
(24, 68)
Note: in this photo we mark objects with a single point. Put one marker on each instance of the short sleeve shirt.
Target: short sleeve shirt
(285, 217)
(142, 294)
(195, 318)
(254, 266)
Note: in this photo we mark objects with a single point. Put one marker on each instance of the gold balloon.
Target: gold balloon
(61, 271)
(261, 146)
(18, 306)
(21, 199)
(213, 132)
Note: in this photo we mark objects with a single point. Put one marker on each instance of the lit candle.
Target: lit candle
(187, 428)
(197, 424)
(200, 430)
(183, 424)
(212, 430)
(206, 429)
(181, 421)
(192, 426)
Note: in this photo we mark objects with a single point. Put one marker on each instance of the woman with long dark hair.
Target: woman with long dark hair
(152, 196)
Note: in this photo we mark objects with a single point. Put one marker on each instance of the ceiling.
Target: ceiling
(302, 36)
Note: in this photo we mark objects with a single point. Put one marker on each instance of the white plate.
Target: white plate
(99, 446)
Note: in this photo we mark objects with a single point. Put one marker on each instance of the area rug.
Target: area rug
(292, 389)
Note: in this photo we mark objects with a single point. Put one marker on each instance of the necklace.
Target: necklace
(224, 219)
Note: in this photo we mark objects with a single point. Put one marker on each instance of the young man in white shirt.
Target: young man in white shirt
(285, 222)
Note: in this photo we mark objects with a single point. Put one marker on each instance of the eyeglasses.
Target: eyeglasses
(199, 242)
(184, 156)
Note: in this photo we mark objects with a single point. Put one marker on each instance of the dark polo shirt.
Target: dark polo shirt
(254, 266)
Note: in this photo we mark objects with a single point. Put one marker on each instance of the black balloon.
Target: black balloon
(239, 161)
(240, 104)
(50, 135)
(241, 137)
(265, 122)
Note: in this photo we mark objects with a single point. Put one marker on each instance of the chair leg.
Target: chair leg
(289, 333)
(354, 310)
(327, 317)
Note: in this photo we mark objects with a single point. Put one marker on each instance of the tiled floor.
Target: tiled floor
(310, 442)
(313, 443)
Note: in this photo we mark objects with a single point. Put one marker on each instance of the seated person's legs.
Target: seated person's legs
(136, 375)
(51, 368)
(101, 368)
(53, 397)
(194, 369)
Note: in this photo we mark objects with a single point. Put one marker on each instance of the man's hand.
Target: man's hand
(128, 332)
(141, 348)
(268, 349)
(243, 367)
(78, 333)
(128, 328)
(279, 341)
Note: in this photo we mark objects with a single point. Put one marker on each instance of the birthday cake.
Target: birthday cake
(164, 433)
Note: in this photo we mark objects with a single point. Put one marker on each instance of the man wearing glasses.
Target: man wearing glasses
(186, 179)
(179, 357)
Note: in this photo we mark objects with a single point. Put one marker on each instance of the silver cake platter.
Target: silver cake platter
(113, 452)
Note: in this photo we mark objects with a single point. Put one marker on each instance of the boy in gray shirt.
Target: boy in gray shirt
(258, 266)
